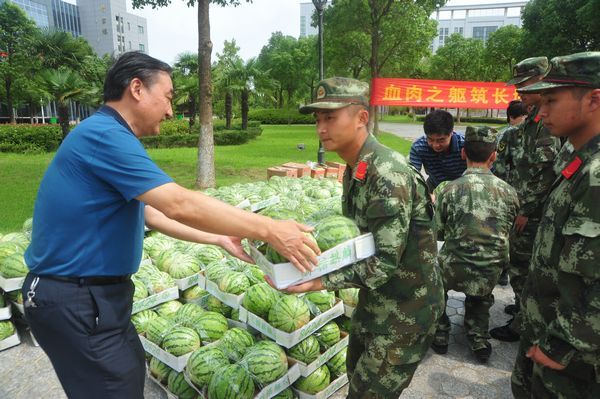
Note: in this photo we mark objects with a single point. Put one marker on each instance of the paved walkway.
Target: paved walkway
(409, 131)
(26, 372)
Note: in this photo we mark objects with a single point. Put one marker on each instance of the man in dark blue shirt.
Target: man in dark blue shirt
(439, 150)
(88, 226)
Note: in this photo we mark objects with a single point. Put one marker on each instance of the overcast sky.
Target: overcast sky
(174, 29)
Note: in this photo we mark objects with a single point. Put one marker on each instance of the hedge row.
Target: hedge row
(472, 119)
(24, 138)
(181, 126)
(222, 137)
(283, 116)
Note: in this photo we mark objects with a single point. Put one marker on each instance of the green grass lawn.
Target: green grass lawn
(21, 174)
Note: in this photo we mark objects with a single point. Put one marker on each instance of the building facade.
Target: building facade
(307, 9)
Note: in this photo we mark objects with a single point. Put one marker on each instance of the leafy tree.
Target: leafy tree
(186, 83)
(560, 27)
(502, 51)
(459, 59)
(206, 146)
(226, 69)
(17, 38)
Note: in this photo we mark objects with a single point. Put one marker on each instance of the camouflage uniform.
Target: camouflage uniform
(526, 154)
(474, 215)
(561, 298)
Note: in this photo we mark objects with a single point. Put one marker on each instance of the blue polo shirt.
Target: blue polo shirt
(439, 166)
(86, 220)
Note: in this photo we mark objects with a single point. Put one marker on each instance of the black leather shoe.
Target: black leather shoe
(505, 333)
(503, 279)
(511, 309)
(483, 354)
(439, 349)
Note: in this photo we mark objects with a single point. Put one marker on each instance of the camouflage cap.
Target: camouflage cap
(483, 134)
(575, 70)
(528, 69)
(335, 93)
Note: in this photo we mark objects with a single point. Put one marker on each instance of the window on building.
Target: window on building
(117, 18)
(140, 29)
(460, 14)
(128, 26)
(445, 15)
(104, 31)
(513, 12)
(489, 12)
(459, 30)
(483, 32)
(103, 21)
(443, 35)
(142, 48)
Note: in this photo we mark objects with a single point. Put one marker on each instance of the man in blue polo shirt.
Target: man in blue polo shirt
(439, 150)
(88, 230)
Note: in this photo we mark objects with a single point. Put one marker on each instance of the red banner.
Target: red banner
(441, 93)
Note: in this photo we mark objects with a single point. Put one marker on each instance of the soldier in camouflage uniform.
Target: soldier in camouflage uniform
(474, 215)
(526, 155)
(559, 351)
(400, 286)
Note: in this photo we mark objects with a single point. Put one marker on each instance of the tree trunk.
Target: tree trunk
(31, 111)
(280, 98)
(228, 111)
(9, 100)
(192, 111)
(373, 122)
(245, 95)
(457, 115)
(63, 119)
(205, 174)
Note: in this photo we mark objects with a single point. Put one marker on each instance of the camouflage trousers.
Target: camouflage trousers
(529, 380)
(476, 322)
(378, 366)
(521, 246)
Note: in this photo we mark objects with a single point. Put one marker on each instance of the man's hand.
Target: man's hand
(233, 245)
(287, 237)
(520, 223)
(311, 285)
(536, 354)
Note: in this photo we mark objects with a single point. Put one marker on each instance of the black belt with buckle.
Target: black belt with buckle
(92, 280)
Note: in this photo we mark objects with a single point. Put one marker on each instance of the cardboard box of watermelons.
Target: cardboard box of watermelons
(332, 388)
(324, 357)
(7, 327)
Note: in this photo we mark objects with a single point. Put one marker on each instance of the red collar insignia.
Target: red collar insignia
(537, 118)
(571, 168)
(361, 171)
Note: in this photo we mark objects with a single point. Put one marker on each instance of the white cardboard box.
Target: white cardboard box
(285, 274)
(308, 369)
(177, 363)
(169, 394)
(325, 393)
(187, 282)
(230, 300)
(5, 312)
(264, 203)
(9, 342)
(290, 339)
(11, 284)
(156, 299)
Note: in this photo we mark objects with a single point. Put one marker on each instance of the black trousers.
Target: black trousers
(87, 333)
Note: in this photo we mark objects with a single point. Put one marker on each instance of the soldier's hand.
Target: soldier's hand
(308, 286)
(287, 237)
(520, 223)
(536, 354)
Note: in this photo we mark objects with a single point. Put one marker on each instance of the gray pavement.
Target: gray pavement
(409, 131)
(26, 372)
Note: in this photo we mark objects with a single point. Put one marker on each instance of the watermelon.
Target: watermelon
(272, 346)
(337, 364)
(289, 313)
(179, 386)
(17, 238)
(27, 227)
(322, 300)
(235, 314)
(157, 328)
(194, 292)
(328, 335)
(213, 304)
(285, 394)
(187, 314)
(184, 265)
(259, 299)
(234, 283)
(6, 329)
(334, 230)
(231, 382)
(349, 296)
(2, 301)
(255, 275)
(344, 323)
(264, 364)
(15, 296)
(307, 351)
(235, 343)
(211, 326)
(159, 282)
(140, 292)
(274, 256)
(9, 248)
(208, 253)
(140, 320)
(13, 266)
(159, 370)
(315, 382)
(203, 362)
(157, 244)
(168, 309)
(216, 270)
(180, 340)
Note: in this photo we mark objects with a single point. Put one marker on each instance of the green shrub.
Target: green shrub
(29, 139)
(175, 126)
(285, 116)
(221, 137)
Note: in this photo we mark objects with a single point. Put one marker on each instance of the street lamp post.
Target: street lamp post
(320, 5)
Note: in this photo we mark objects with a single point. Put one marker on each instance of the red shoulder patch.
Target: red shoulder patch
(571, 168)
(361, 171)
(537, 118)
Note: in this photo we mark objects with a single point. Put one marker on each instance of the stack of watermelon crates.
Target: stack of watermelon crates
(8, 333)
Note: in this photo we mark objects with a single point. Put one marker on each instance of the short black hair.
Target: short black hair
(130, 65)
(479, 151)
(438, 122)
(515, 109)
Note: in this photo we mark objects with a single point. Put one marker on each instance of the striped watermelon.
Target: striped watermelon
(157, 328)
(285, 394)
(140, 292)
(187, 314)
(17, 238)
(202, 364)
(159, 282)
(140, 320)
(15, 296)
(264, 364)
(216, 270)
(259, 299)
(179, 386)
(254, 274)
(14, 266)
(235, 314)
(231, 382)
(349, 296)
(289, 313)
(157, 244)
(334, 230)
(275, 257)
(159, 370)
(184, 265)
(315, 382)
(272, 346)
(194, 292)
(180, 340)
(208, 253)
(213, 304)
(6, 329)
(328, 335)
(235, 343)
(337, 364)
(307, 351)
(8, 248)
(344, 323)
(211, 326)
(168, 309)
(323, 300)
(234, 283)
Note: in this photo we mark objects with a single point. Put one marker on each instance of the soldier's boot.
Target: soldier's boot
(512, 309)
(483, 354)
(505, 333)
(477, 316)
(503, 279)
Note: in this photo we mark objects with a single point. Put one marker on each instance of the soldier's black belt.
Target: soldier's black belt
(92, 280)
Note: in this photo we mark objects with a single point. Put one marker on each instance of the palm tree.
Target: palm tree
(186, 93)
